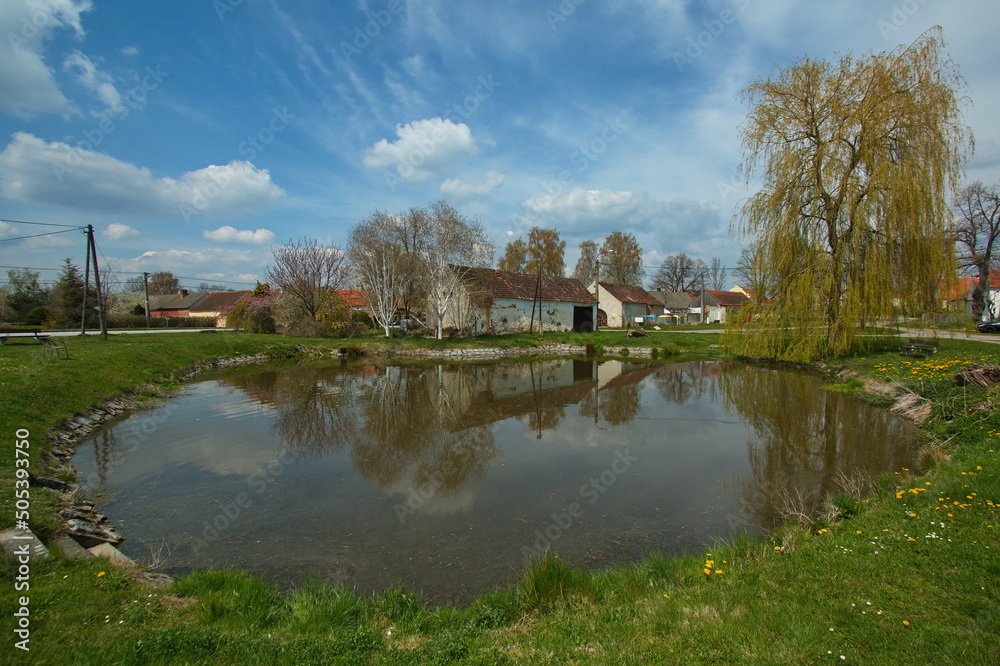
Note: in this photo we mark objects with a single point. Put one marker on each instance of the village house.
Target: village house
(175, 305)
(353, 299)
(714, 307)
(676, 306)
(960, 294)
(498, 302)
(621, 305)
(217, 304)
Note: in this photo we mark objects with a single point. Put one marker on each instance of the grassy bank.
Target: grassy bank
(907, 574)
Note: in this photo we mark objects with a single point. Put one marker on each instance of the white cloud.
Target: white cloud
(592, 214)
(28, 83)
(206, 264)
(94, 80)
(459, 190)
(129, 50)
(119, 232)
(7, 230)
(227, 234)
(423, 148)
(34, 171)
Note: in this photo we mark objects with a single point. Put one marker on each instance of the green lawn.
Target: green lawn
(907, 575)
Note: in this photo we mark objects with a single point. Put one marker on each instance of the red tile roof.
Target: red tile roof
(627, 294)
(353, 298)
(961, 288)
(500, 284)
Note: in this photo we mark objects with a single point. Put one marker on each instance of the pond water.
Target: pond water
(447, 478)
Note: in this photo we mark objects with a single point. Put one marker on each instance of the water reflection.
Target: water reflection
(799, 450)
(442, 477)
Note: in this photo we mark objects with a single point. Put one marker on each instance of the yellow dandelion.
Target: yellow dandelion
(100, 574)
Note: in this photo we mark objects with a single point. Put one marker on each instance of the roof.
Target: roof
(352, 298)
(963, 288)
(219, 301)
(728, 299)
(500, 284)
(176, 301)
(627, 294)
(673, 300)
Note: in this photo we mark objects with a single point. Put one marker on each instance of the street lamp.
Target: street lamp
(597, 285)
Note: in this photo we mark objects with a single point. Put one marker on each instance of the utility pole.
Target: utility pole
(597, 291)
(86, 285)
(97, 283)
(145, 287)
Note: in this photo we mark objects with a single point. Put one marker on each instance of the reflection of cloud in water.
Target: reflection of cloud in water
(711, 440)
(427, 501)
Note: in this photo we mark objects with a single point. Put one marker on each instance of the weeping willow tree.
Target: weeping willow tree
(852, 219)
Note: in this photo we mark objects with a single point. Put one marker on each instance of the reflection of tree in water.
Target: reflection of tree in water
(316, 408)
(428, 426)
(413, 430)
(803, 436)
(400, 424)
(687, 381)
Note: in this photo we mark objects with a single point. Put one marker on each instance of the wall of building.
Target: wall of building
(514, 315)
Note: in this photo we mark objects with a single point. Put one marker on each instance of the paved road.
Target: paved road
(903, 333)
(125, 331)
(948, 335)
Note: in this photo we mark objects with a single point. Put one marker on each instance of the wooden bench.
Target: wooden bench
(53, 346)
(7, 333)
(921, 346)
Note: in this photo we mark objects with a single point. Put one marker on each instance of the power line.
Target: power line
(44, 224)
(51, 233)
(179, 277)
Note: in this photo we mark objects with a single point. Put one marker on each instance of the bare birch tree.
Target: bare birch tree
(383, 269)
(454, 245)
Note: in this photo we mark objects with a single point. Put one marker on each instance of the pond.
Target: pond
(447, 478)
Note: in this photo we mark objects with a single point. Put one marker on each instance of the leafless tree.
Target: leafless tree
(750, 270)
(586, 265)
(977, 232)
(716, 275)
(454, 245)
(383, 268)
(680, 273)
(308, 273)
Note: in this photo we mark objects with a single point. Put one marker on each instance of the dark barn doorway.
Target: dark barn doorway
(583, 319)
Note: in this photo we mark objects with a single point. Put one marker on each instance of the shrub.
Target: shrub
(37, 316)
(307, 328)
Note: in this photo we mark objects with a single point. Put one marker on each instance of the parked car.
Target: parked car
(988, 326)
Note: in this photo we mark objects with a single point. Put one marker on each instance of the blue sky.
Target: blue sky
(195, 134)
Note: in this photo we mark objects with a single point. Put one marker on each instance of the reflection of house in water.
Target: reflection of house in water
(540, 391)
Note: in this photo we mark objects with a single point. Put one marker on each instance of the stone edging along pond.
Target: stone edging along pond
(80, 516)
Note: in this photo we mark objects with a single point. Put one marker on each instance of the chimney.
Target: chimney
(184, 292)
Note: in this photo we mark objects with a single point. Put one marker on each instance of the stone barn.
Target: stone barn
(498, 302)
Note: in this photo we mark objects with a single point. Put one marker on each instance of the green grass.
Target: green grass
(885, 582)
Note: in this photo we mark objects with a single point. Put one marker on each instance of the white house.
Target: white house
(621, 305)
(499, 302)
